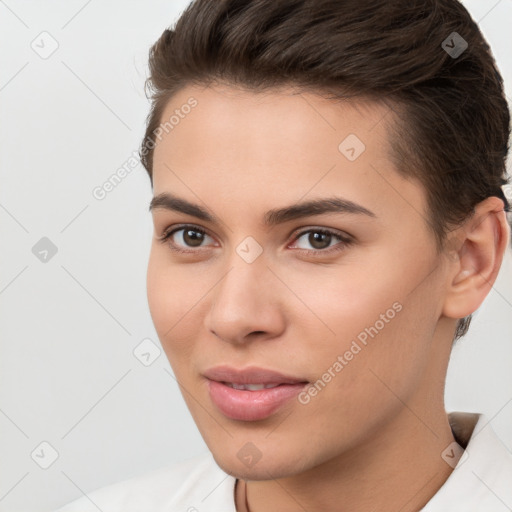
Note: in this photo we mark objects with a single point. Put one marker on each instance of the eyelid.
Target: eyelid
(171, 230)
(320, 229)
(345, 240)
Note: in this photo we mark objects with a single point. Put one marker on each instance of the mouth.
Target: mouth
(252, 387)
(250, 394)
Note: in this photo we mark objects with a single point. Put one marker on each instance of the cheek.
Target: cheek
(359, 383)
(371, 297)
(174, 298)
(343, 304)
(377, 321)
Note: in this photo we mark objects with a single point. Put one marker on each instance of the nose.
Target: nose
(246, 304)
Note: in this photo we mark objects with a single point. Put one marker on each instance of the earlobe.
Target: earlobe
(477, 262)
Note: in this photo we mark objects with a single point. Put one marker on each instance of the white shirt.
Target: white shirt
(480, 482)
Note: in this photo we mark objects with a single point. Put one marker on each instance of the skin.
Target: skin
(372, 438)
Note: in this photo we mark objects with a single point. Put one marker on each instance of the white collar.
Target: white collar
(482, 479)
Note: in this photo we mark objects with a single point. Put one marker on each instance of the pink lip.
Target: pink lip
(248, 405)
(249, 375)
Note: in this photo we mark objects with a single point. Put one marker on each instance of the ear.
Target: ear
(476, 259)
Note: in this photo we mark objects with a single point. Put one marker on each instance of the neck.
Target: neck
(399, 468)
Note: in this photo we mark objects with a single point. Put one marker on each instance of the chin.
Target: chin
(260, 471)
(264, 468)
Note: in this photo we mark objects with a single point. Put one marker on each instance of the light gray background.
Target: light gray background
(69, 326)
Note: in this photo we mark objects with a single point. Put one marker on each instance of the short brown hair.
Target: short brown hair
(455, 122)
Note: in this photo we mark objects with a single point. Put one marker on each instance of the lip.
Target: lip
(249, 375)
(246, 405)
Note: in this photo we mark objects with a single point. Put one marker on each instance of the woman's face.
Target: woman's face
(345, 305)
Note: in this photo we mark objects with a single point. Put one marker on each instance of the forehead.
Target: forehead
(278, 146)
(278, 117)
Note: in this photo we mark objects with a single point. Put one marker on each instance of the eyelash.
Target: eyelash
(344, 239)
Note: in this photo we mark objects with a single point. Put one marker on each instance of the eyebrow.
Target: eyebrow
(272, 217)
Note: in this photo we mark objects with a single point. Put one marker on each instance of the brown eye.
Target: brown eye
(192, 237)
(319, 240)
(185, 238)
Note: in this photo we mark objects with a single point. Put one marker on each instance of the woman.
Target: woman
(328, 214)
